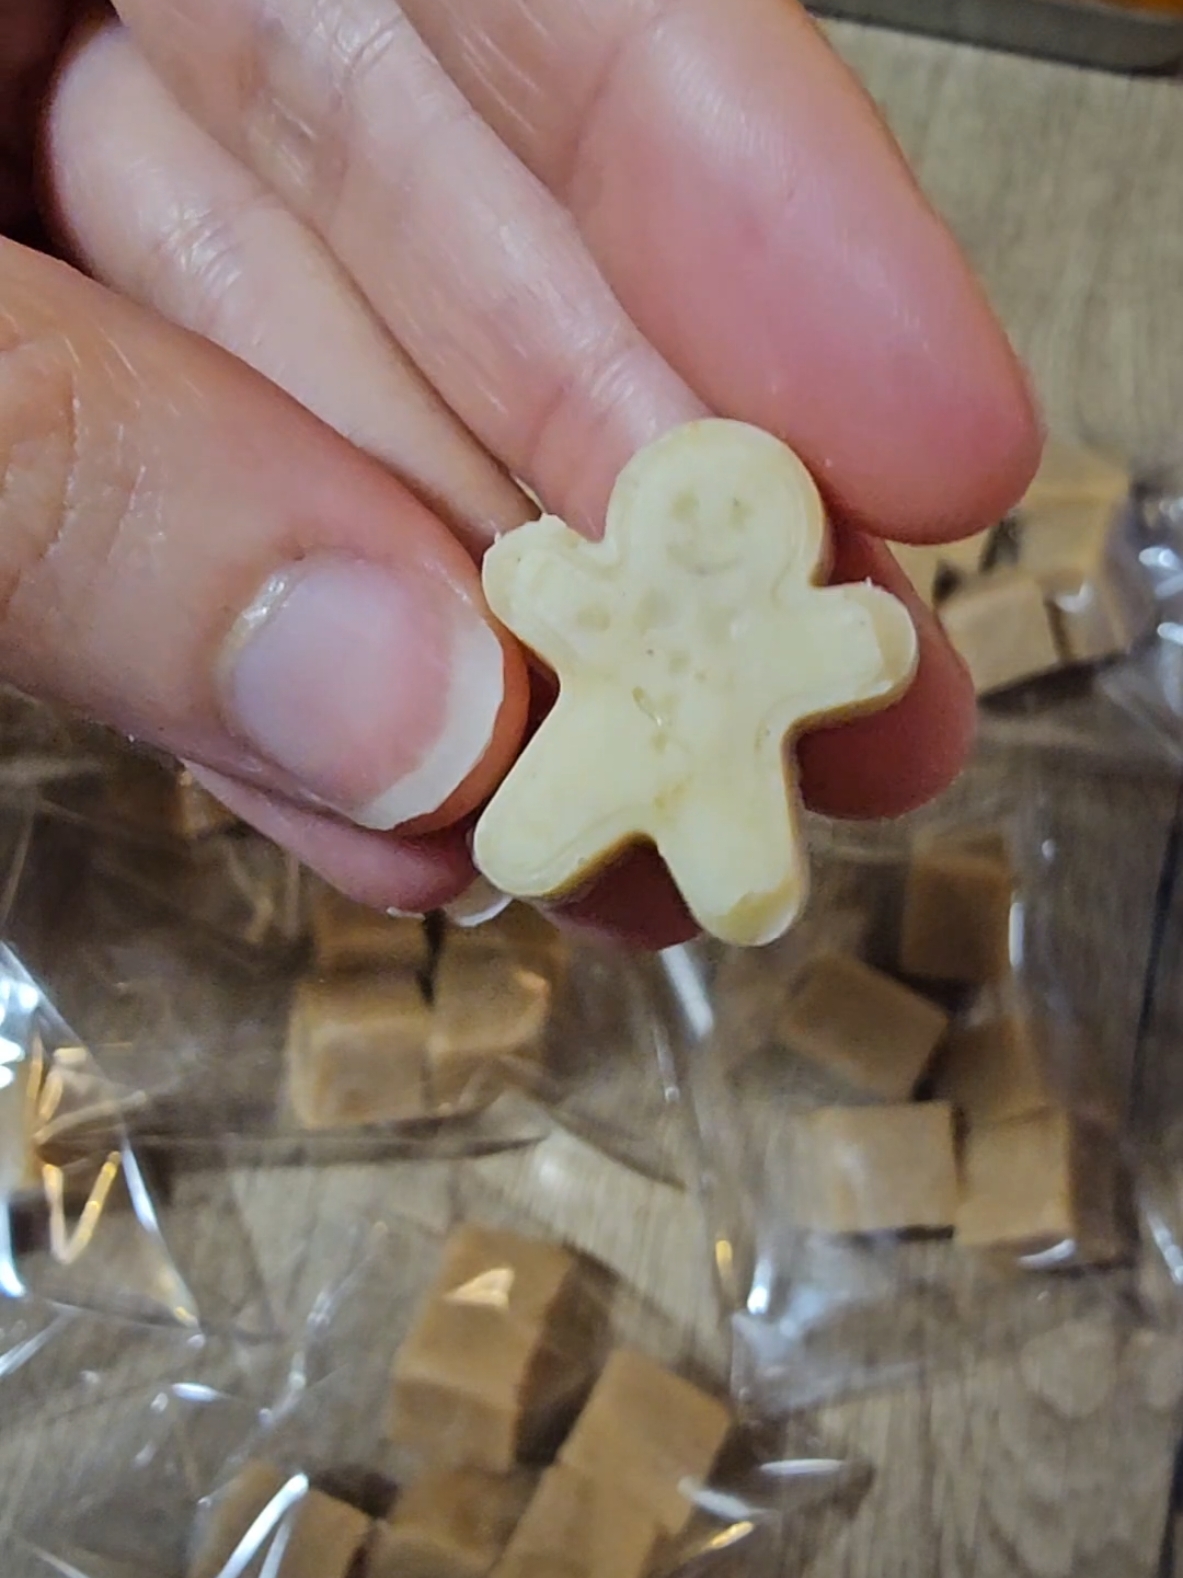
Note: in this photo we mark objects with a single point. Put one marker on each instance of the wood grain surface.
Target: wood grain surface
(1051, 1455)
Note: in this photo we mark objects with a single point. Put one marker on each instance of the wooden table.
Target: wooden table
(1051, 1457)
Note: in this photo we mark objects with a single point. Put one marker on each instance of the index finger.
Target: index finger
(753, 214)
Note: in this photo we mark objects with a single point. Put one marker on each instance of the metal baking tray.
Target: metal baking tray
(1107, 37)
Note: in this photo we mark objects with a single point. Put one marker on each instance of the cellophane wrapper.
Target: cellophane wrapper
(823, 1312)
(368, 1274)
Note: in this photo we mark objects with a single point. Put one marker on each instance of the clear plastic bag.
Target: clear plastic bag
(903, 1167)
(90, 1219)
(376, 1035)
(468, 1382)
(1064, 613)
(1149, 684)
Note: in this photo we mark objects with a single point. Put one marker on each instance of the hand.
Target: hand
(480, 239)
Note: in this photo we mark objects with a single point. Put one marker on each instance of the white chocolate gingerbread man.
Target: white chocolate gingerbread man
(690, 645)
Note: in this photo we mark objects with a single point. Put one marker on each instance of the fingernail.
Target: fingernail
(376, 693)
(477, 904)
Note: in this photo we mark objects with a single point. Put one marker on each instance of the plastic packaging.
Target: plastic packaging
(1065, 614)
(1149, 685)
(89, 1219)
(371, 1036)
(902, 1169)
(468, 1381)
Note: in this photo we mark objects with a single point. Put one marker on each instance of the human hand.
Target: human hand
(480, 238)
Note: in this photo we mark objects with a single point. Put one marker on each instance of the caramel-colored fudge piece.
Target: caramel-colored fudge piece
(875, 1169)
(1099, 607)
(861, 1025)
(197, 814)
(957, 912)
(651, 1435)
(501, 1354)
(1002, 630)
(451, 1523)
(937, 569)
(348, 936)
(692, 643)
(322, 1537)
(921, 563)
(357, 1052)
(489, 1012)
(153, 798)
(1070, 474)
(524, 933)
(966, 557)
(1037, 1182)
(578, 1526)
(994, 1070)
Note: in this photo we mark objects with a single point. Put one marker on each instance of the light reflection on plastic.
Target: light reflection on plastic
(760, 1297)
(67, 1247)
(690, 990)
(263, 1527)
(724, 1256)
(728, 1537)
(491, 1290)
(1016, 933)
(1171, 631)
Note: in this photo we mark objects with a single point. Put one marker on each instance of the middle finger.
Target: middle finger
(477, 270)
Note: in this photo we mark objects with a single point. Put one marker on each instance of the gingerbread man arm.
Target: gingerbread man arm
(544, 582)
(862, 655)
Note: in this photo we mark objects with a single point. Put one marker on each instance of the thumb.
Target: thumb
(189, 556)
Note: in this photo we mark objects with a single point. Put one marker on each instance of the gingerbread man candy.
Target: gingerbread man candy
(691, 645)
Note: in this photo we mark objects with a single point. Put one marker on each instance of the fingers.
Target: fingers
(157, 209)
(187, 555)
(473, 267)
(31, 32)
(753, 215)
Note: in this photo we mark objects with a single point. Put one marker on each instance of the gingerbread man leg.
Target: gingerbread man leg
(582, 786)
(743, 876)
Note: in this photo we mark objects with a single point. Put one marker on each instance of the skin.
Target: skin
(461, 241)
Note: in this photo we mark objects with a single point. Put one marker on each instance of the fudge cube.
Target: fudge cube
(357, 1052)
(501, 1355)
(1002, 630)
(263, 1514)
(489, 1012)
(1034, 1183)
(1072, 474)
(578, 1526)
(528, 936)
(921, 563)
(450, 1523)
(197, 814)
(876, 1169)
(348, 936)
(957, 911)
(649, 1434)
(994, 1070)
(1099, 605)
(861, 1025)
